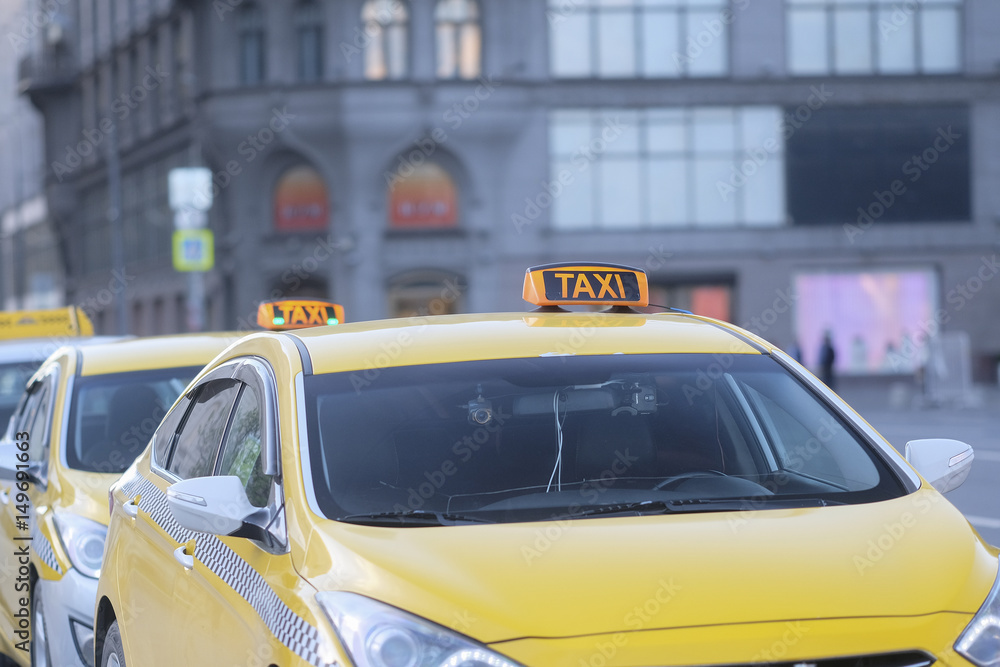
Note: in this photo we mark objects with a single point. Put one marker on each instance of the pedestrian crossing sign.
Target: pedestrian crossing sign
(194, 250)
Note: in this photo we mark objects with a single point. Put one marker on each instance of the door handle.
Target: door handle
(131, 507)
(183, 557)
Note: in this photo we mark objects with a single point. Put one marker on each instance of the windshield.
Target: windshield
(12, 380)
(113, 416)
(534, 439)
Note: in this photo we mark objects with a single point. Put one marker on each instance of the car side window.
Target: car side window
(163, 438)
(201, 435)
(34, 416)
(241, 452)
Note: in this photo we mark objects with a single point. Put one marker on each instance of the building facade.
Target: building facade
(794, 166)
(30, 263)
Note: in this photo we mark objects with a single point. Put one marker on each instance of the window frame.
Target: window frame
(382, 42)
(875, 16)
(308, 18)
(44, 379)
(252, 27)
(680, 68)
(473, 19)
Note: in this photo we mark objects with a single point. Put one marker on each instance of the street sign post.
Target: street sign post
(190, 194)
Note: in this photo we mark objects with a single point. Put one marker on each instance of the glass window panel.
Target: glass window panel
(760, 127)
(618, 132)
(570, 40)
(852, 41)
(446, 60)
(807, 41)
(667, 192)
(666, 132)
(397, 51)
(616, 43)
(712, 57)
(764, 193)
(897, 51)
(619, 192)
(570, 131)
(714, 130)
(939, 40)
(375, 66)
(574, 207)
(470, 51)
(709, 206)
(661, 44)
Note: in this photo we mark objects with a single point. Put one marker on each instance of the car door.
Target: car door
(227, 607)
(31, 423)
(185, 445)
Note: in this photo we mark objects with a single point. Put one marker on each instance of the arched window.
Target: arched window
(459, 39)
(301, 201)
(386, 23)
(422, 197)
(252, 45)
(309, 30)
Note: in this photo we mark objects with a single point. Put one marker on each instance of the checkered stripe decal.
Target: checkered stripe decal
(301, 638)
(41, 546)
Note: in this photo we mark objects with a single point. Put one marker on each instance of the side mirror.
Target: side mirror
(942, 462)
(11, 456)
(218, 506)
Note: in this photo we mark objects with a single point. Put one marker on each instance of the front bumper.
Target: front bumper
(67, 601)
(805, 642)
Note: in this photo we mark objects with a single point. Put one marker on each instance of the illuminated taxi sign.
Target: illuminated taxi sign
(298, 314)
(69, 321)
(602, 284)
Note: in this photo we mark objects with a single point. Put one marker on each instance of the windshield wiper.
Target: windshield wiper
(756, 502)
(412, 518)
(691, 505)
(641, 507)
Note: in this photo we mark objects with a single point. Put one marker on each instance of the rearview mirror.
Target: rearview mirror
(218, 506)
(942, 462)
(12, 456)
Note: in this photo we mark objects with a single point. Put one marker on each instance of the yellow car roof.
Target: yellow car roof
(154, 352)
(451, 338)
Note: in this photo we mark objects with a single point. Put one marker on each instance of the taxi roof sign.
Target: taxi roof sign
(286, 314)
(69, 321)
(586, 283)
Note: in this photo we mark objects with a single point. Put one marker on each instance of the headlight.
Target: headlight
(83, 541)
(377, 635)
(980, 642)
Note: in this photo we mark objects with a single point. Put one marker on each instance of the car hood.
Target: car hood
(84, 493)
(909, 556)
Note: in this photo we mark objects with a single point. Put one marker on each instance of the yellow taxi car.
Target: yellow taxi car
(87, 413)
(540, 488)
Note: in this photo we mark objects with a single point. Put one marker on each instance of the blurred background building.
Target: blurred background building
(794, 166)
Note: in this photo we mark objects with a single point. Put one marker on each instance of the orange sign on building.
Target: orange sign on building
(301, 202)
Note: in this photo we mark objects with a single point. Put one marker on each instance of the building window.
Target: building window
(252, 45)
(874, 37)
(309, 27)
(459, 39)
(877, 319)
(425, 197)
(639, 38)
(386, 24)
(868, 165)
(301, 202)
(665, 167)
